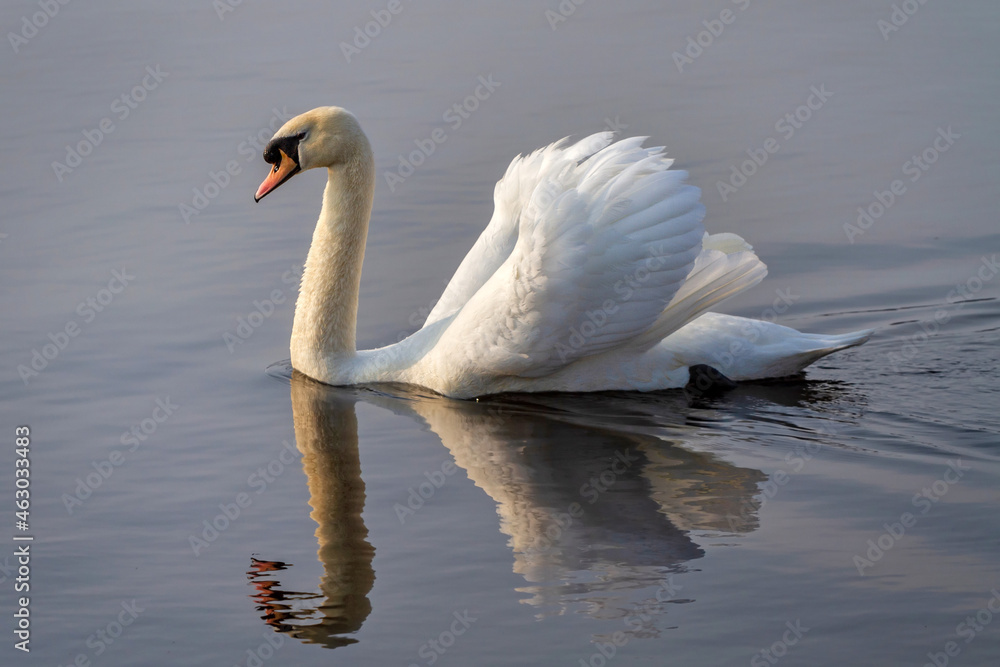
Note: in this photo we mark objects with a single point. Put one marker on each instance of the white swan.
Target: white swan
(594, 274)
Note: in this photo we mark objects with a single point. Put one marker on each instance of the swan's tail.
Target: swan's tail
(746, 349)
(740, 348)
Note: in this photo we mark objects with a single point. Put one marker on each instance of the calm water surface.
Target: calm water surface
(191, 508)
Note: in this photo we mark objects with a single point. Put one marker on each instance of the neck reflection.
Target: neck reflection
(326, 433)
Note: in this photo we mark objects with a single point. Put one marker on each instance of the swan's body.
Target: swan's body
(593, 274)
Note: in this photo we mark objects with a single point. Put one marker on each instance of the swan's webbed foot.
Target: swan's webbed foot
(705, 381)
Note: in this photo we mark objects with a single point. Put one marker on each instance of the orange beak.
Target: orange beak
(285, 169)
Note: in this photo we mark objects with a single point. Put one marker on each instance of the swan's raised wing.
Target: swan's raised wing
(603, 242)
(512, 194)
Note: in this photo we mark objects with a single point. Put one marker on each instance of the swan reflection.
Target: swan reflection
(326, 433)
(599, 511)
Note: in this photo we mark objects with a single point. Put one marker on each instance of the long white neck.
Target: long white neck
(326, 313)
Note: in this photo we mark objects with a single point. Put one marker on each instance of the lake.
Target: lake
(192, 501)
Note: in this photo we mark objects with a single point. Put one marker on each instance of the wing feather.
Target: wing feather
(589, 244)
(520, 182)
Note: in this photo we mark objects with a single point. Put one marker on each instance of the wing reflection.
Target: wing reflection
(597, 508)
(594, 512)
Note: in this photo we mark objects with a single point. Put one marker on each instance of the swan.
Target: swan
(595, 273)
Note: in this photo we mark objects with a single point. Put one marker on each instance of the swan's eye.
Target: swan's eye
(275, 168)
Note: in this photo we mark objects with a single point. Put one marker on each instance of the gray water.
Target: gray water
(848, 517)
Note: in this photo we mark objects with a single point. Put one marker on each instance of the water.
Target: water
(555, 529)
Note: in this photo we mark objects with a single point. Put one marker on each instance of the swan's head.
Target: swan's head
(323, 137)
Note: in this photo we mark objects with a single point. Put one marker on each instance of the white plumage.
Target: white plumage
(591, 275)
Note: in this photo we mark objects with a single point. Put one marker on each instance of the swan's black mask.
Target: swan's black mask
(283, 153)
